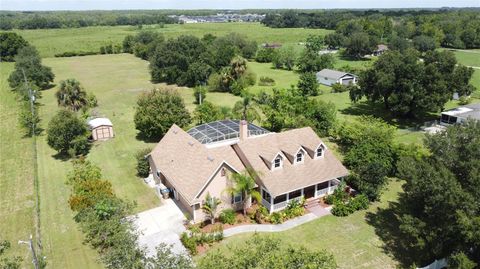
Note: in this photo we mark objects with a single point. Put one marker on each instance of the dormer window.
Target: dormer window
(277, 162)
(299, 157)
(320, 151)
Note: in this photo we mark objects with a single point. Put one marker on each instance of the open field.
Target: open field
(116, 80)
(352, 241)
(17, 199)
(52, 41)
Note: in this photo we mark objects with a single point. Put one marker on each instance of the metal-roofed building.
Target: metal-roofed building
(329, 77)
(461, 114)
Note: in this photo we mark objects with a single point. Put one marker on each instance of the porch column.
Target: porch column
(315, 194)
(271, 203)
(288, 197)
(301, 194)
(329, 184)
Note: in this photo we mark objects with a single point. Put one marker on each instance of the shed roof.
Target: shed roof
(97, 122)
(468, 111)
(333, 74)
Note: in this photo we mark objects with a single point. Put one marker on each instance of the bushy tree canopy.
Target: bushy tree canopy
(65, 131)
(157, 111)
(408, 87)
(441, 213)
(308, 84)
(29, 61)
(265, 252)
(10, 43)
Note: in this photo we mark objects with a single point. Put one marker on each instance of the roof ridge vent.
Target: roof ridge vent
(190, 143)
(210, 158)
(175, 131)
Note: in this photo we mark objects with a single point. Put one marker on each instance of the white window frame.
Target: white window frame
(278, 157)
(321, 146)
(302, 152)
(236, 196)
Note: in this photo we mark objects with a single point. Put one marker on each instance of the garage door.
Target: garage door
(103, 133)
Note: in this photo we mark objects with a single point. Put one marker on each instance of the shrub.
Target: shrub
(276, 217)
(92, 100)
(199, 91)
(79, 146)
(464, 100)
(189, 243)
(266, 81)
(76, 53)
(341, 209)
(360, 202)
(337, 87)
(261, 214)
(143, 167)
(227, 216)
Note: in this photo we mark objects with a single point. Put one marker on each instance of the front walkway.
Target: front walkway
(163, 224)
(289, 224)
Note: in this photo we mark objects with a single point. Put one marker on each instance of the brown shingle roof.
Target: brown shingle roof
(187, 163)
(291, 176)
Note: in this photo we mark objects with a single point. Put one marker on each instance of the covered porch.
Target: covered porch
(311, 192)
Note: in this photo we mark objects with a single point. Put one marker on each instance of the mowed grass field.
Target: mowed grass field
(17, 200)
(352, 241)
(116, 80)
(52, 41)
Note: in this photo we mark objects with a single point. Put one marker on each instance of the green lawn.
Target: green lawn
(352, 241)
(116, 80)
(53, 41)
(470, 58)
(16, 173)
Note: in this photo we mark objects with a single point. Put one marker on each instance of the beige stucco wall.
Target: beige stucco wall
(217, 188)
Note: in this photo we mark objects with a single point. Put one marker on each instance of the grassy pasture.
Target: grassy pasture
(52, 41)
(352, 240)
(17, 199)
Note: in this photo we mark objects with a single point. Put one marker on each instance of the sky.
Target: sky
(225, 4)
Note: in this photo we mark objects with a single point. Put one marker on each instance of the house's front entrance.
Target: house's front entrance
(309, 192)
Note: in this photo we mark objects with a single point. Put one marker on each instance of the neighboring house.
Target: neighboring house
(290, 164)
(381, 49)
(101, 128)
(460, 114)
(329, 77)
(271, 45)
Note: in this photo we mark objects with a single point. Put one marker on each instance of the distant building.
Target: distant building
(102, 128)
(271, 45)
(460, 114)
(329, 77)
(381, 49)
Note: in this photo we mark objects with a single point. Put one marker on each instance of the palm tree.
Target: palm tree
(210, 207)
(244, 183)
(71, 95)
(246, 109)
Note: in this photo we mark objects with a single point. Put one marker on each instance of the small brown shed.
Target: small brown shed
(102, 128)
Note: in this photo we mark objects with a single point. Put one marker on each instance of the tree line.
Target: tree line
(75, 19)
(448, 28)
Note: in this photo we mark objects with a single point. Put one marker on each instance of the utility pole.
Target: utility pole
(32, 249)
(31, 98)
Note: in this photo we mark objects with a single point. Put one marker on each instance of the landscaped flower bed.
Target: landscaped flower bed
(344, 203)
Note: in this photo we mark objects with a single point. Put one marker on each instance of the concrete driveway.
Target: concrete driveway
(163, 224)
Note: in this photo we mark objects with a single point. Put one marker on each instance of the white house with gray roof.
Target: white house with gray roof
(460, 114)
(329, 77)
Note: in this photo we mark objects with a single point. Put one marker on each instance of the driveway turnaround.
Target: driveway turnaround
(163, 224)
